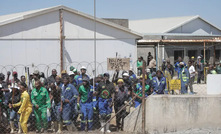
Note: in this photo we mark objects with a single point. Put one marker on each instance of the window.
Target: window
(178, 53)
(218, 55)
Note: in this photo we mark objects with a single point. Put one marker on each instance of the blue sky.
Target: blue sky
(128, 9)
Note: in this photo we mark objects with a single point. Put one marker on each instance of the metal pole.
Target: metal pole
(61, 39)
(214, 55)
(204, 56)
(158, 55)
(143, 97)
(94, 43)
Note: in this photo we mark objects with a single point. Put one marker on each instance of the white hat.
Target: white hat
(71, 73)
(147, 70)
(131, 69)
(125, 74)
(199, 57)
(181, 63)
(83, 67)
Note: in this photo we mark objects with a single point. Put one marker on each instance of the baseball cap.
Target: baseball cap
(83, 67)
(71, 73)
(125, 74)
(14, 73)
(120, 80)
(107, 75)
(36, 72)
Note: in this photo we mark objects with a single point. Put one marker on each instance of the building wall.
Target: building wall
(36, 41)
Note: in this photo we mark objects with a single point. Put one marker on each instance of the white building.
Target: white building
(34, 38)
(178, 36)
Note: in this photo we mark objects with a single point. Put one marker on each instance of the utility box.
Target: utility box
(214, 84)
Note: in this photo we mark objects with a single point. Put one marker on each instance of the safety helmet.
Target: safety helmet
(141, 76)
(83, 67)
(120, 80)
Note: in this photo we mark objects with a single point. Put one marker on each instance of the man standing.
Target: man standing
(69, 100)
(83, 74)
(139, 65)
(152, 64)
(25, 107)
(170, 68)
(148, 58)
(105, 101)
(200, 69)
(41, 101)
(121, 97)
(159, 83)
(192, 76)
(85, 100)
(218, 68)
(184, 77)
(55, 96)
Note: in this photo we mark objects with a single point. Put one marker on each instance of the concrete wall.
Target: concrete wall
(166, 114)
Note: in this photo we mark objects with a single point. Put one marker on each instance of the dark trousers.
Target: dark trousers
(120, 117)
(200, 75)
(191, 83)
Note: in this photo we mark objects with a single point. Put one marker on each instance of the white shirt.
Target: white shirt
(191, 70)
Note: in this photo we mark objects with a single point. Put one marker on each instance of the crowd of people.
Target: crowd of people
(74, 102)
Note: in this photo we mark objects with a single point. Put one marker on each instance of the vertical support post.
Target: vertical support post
(214, 55)
(204, 56)
(158, 56)
(143, 98)
(61, 39)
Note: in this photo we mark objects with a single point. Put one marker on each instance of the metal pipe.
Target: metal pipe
(214, 55)
(61, 39)
(158, 55)
(204, 56)
(143, 98)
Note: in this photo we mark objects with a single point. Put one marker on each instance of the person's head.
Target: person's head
(85, 81)
(36, 74)
(126, 76)
(99, 78)
(164, 61)
(57, 79)
(199, 58)
(38, 84)
(159, 74)
(42, 75)
(83, 70)
(131, 72)
(22, 87)
(180, 59)
(2, 77)
(211, 67)
(15, 74)
(220, 62)
(192, 58)
(139, 59)
(141, 77)
(106, 76)
(66, 80)
(168, 61)
(168, 65)
(54, 72)
(181, 64)
(72, 68)
(149, 53)
(120, 83)
(190, 63)
(23, 79)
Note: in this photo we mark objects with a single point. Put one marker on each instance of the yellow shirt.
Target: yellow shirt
(24, 103)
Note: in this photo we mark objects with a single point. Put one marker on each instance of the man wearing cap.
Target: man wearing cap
(184, 77)
(72, 80)
(127, 82)
(41, 102)
(200, 69)
(159, 83)
(14, 80)
(69, 100)
(138, 91)
(35, 78)
(152, 64)
(218, 68)
(85, 100)
(121, 97)
(192, 76)
(163, 67)
(83, 74)
(105, 101)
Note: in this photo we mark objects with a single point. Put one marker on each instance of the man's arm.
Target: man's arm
(48, 101)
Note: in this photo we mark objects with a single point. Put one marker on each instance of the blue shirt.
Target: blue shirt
(69, 92)
(79, 79)
(159, 86)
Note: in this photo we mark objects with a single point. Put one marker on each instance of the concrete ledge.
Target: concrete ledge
(172, 113)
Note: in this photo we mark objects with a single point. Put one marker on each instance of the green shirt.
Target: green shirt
(75, 77)
(84, 93)
(41, 98)
(139, 64)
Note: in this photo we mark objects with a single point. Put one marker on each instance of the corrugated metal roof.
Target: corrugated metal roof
(6, 19)
(163, 25)
(159, 25)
